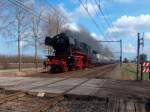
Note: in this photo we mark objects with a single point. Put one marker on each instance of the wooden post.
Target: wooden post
(142, 70)
(138, 53)
(149, 73)
(120, 53)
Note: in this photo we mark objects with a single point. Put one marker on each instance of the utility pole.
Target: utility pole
(149, 73)
(140, 42)
(142, 68)
(138, 53)
(120, 53)
(142, 56)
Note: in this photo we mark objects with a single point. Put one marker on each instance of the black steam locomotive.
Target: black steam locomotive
(69, 54)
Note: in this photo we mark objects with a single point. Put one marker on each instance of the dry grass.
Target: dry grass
(129, 72)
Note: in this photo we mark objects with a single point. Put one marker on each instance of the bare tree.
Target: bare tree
(21, 25)
(36, 20)
(15, 21)
(2, 15)
(56, 22)
(5, 16)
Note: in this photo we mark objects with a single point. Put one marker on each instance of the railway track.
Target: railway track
(98, 71)
(42, 107)
(93, 74)
(45, 105)
(18, 101)
(24, 102)
(61, 96)
(102, 72)
(74, 74)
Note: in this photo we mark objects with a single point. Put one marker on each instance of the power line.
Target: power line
(86, 9)
(19, 4)
(90, 16)
(51, 6)
(110, 25)
(101, 11)
(97, 13)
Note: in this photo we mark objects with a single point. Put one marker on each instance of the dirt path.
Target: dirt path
(111, 72)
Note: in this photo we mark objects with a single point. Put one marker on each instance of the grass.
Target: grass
(130, 70)
(16, 69)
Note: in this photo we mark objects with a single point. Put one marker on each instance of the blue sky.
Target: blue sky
(128, 17)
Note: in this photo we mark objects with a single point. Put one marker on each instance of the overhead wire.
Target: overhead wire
(97, 14)
(109, 24)
(51, 6)
(20, 4)
(107, 20)
(30, 10)
(92, 19)
(101, 11)
(90, 16)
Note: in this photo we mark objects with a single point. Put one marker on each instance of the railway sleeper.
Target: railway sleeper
(11, 97)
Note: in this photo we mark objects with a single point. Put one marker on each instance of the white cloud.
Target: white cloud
(23, 43)
(80, 11)
(128, 26)
(95, 36)
(147, 35)
(45, 11)
(76, 14)
(29, 3)
(64, 11)
(72, 26)
(129, 48)
(137, 22)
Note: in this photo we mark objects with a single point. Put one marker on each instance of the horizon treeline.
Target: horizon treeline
(14, 59)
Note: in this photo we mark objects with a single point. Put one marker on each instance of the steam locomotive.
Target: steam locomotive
(70, 54)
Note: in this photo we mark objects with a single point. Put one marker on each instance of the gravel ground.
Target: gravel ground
(103, 105)
(77, 104)
(80, 106)
(22, 104)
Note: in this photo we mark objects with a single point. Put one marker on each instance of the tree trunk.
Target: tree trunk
(19, 50)
(36, 62)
